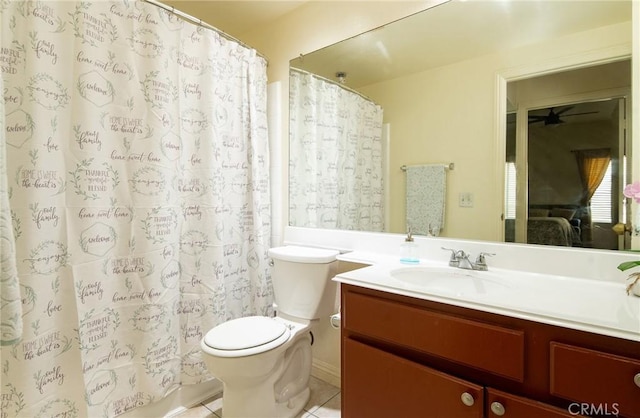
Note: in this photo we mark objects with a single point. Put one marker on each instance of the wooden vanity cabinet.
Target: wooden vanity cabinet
(385, 385)
(409, 357)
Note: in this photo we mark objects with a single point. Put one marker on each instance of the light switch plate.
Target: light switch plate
(465, 200)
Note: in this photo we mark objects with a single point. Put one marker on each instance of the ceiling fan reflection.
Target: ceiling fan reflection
(553, 117)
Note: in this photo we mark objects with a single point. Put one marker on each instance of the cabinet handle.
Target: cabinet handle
(636, 379)
(467, 399)
(497, 408)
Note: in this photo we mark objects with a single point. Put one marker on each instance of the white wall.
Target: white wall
(310, 27)
(447, 114)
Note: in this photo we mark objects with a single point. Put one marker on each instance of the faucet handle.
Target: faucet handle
(481, 261)
(481, 256)
(453, 260)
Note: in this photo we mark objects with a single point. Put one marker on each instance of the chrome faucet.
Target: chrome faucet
(460, 259)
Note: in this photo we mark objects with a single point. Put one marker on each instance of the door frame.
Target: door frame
(565, 63)
(522, 138)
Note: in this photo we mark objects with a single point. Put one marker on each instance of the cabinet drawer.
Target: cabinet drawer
(604, 381)
(379, 384)
(487, 347)
(512, 406)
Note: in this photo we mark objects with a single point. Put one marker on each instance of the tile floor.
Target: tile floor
(324, 402)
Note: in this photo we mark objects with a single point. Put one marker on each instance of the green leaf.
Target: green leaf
(628, 265)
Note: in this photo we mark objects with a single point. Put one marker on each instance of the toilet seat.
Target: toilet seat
(246, 336)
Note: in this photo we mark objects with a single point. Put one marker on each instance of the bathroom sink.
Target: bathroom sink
(449, 281)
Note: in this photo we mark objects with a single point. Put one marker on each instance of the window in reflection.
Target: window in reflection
(601, 206)
(510, 191)
(510, 195)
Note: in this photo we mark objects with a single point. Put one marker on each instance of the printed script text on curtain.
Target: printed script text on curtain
(336, 165)
(137, 171)
(10, 301)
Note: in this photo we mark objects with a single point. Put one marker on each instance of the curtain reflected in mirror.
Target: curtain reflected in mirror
(336, 177)
(593, 166)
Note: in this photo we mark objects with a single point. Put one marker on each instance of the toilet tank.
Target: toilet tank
(301, 278)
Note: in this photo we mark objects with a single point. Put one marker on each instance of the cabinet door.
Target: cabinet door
(495, 349)
(379, 384)
(501, 404)
(604, 382)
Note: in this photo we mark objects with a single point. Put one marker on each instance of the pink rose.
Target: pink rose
(633, 191)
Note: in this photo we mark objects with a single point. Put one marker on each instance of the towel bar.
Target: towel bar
(449, 166)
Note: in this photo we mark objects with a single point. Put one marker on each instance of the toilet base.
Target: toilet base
(293, 407)
(251, 403)
(279, 391)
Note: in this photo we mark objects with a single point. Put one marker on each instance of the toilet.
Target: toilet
(264, 362)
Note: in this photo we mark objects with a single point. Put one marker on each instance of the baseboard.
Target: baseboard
(190, 395)
(178, 401)
(325, 371)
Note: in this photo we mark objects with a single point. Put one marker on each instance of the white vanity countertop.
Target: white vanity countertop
(599, 307)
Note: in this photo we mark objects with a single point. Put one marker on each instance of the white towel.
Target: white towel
(426, 189)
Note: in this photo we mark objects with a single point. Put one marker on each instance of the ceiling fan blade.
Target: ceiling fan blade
(583, 113)
(566, 109)
(553, 117)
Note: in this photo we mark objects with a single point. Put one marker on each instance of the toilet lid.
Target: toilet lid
(247, 332)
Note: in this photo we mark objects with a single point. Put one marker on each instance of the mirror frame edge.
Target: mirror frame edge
(635, 110)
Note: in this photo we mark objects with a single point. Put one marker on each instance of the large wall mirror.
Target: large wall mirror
(370, 114)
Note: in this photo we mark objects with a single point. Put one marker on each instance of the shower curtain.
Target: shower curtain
(336, 164)
(135, 202)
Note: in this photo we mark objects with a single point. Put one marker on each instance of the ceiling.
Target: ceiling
(429, 40)
(235, 17)
(425, 40)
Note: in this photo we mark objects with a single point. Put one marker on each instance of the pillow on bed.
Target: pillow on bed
(563, 213)
(538, 213)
